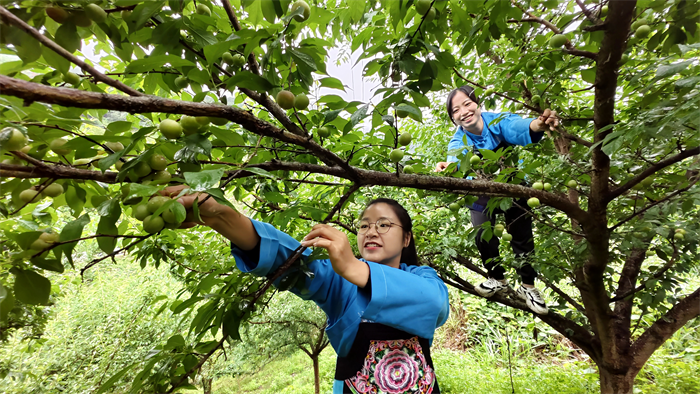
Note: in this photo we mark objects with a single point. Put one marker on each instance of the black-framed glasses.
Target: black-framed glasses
(382, 226)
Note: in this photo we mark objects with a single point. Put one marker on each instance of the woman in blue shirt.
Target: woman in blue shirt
(487, 130)
(382, 309)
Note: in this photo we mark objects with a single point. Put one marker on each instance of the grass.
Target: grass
(479, 371)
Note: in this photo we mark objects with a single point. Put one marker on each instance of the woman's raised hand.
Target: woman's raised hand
(548, 120)
(340, 252)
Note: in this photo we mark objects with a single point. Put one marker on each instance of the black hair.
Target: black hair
(409, 256)
(466, 89)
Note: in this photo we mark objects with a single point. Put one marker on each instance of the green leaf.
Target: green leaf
(688, 82)
(105, 163)
(31, 288)
(203, 180)
(67, 37)
(139, 190)
(219, 197)
(330, 116)
(110, 208)
(187, 304)
(231, 324)
(332, 83)
(50, 265)
(672, 69)
(107, 226)
(75, 197)
(119, 126)
(261, 172)
(247, 80)
(114, 379)
(71, 231)
(417, 114)
(55, 60)
(157, 62)
(175, 342)
(357, 117)
(7, 304)
(305, 62)
(268, 10)
(588, 75)
(144, 11)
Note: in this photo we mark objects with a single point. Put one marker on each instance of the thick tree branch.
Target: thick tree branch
(31, 92)
(685, 310)
(577, 334)
(628, 292)
(650, 171)
(11, 19)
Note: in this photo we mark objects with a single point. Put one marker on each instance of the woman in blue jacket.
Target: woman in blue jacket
(382, 309)
(493, 131)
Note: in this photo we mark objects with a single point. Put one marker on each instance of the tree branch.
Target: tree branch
(340, 202)
(686, 309)
(657, 275)
(570, 49)
(11, 19)
(587, 12)
(31, 92)
(650, 171)
(577, 334)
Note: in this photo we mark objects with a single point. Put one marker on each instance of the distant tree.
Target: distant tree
(287, 326)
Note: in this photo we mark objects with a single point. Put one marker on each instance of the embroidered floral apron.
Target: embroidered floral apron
(384, 359)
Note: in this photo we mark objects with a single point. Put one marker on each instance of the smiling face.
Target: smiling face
(382, 248)
(466, 113)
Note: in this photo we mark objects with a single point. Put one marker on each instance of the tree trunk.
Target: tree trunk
(616, 383)
(206, 385)
(317, 378)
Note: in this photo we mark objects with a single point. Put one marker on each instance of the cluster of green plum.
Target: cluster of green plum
(397, 154)
(188, 125)
(45, 240)
(146, 213)
(423, 8)
(36, 193)
(288, 100)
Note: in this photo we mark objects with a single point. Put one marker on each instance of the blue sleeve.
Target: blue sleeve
(418, 311)
(455, 143)
(330, 291)
(515, 130)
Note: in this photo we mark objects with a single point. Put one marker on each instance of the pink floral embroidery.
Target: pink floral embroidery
(394, 367)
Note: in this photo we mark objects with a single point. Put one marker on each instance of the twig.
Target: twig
(649, 171)
(116, 252)
(655, 203)
(570, 49)
(587, 12)
(11, 19)
(658, 274)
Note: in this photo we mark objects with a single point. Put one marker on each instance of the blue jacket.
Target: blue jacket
(412, 298)
(508, 129)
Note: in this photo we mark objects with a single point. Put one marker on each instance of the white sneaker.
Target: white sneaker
(533, 299)
(490, 287)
